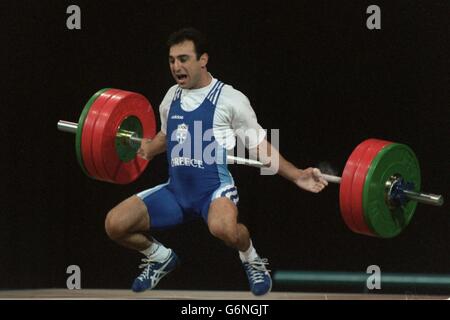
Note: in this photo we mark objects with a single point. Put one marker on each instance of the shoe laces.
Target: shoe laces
(147, 265)
(257, 269)
(152, 266)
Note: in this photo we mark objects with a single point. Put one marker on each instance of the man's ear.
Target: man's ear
(204, 60)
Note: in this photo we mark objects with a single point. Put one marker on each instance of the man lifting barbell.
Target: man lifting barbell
(196, 189)
(378, 183)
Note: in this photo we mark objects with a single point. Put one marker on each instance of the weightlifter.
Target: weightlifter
(198, 189)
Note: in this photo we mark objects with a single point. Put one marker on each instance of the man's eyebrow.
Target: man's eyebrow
(179, 56)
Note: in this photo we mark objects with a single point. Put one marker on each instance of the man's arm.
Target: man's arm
(151, 148)
(308, 179)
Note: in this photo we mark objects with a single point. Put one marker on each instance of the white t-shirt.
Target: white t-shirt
(234, 116)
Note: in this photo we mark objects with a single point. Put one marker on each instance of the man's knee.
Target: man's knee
(222, 220)
(113, 226)
(227, 233)
(127, 217)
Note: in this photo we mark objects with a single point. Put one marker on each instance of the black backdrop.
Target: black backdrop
(310, 68)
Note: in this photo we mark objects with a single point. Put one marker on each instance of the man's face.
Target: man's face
(185, 68)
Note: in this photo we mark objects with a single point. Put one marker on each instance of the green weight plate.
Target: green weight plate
(81, 120)
(126, 150)
(394, 159)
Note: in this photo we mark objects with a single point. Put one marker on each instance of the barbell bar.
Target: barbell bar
(426, 198)
(379, 187)
(72, 127)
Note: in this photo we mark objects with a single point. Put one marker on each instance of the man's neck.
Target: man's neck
(205, 80)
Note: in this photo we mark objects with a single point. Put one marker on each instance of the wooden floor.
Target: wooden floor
(101, 294)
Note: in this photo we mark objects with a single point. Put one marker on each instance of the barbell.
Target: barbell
(379, 187)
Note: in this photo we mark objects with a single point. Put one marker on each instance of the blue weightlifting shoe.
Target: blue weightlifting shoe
(258, 276)
(153, 272)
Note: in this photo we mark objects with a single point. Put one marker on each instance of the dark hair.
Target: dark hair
(191, 34)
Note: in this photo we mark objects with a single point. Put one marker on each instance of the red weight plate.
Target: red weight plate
(122, 105)
(97, 135)
(358, 186)
(88, 127)
(345, 190)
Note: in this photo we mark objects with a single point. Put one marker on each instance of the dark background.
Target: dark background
(310, 68)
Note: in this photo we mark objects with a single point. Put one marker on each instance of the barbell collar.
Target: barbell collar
(399, 192)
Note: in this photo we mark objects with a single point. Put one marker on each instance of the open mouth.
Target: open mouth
(181, 77)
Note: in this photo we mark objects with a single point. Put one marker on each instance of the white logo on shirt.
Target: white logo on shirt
(187, 162)
(182, 132)
(176, 116)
